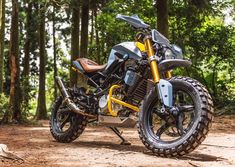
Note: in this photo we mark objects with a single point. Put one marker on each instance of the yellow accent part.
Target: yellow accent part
(140, 46)
(112, 99)
(77, 70)
(168, 74)
(153, 64)
(74, 69)
(125, 104)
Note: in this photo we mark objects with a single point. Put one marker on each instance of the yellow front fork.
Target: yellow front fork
(153, 63)
(168, 74)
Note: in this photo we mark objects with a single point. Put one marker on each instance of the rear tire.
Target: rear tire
(77, 124)
(194, 136)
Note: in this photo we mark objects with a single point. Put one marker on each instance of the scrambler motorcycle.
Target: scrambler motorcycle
(136, 87)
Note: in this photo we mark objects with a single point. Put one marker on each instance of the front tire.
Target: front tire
(193, 134)
(65, 127)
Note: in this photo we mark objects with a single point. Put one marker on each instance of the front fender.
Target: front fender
(170, 64)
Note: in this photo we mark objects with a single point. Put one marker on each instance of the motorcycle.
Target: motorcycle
(136, 88)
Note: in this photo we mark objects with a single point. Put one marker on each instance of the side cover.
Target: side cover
(165, 90)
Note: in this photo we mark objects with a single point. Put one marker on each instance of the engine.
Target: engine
(136, 86)
(138, 82)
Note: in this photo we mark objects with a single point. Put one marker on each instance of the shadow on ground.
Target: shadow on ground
(195, 156)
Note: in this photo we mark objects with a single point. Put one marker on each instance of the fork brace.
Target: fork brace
(119, 134)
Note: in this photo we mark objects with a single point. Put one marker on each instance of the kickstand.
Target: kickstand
(119, 134)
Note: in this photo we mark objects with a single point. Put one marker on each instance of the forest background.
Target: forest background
(40, 38)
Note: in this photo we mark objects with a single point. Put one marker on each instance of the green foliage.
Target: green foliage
(4, 104)
(210, 47)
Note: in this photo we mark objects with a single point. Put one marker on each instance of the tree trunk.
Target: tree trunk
(15, 96)
(41, 112)
(97, 38)
(162, 17)
(27, 47)
(92, 28)
(84, 29)
(2, 31)
(75, 39)
(214, 80)
(54, 52)
(102, 46)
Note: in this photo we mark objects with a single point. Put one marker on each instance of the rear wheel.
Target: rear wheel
(66, 126)
(170, 134)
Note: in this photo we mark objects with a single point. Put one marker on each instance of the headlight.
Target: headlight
(174, 52)
(177, 52)
(169, 54)
(177, 48)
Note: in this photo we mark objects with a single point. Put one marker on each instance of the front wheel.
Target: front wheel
(177, 134)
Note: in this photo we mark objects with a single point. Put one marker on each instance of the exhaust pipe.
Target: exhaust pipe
(68, 100)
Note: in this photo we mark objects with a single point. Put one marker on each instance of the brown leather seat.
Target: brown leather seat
(90, 66)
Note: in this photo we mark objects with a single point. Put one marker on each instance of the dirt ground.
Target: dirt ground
(99, 146)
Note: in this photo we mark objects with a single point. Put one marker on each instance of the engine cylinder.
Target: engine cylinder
(103, 104)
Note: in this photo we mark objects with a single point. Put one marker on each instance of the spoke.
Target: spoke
(58, 125)
(179, 125)
(64, 110)
(64, 121)
(162, 129)
(163, 116)
(173, 130)
(181, 97)
(186, 108)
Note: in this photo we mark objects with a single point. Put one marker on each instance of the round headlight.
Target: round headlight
(169, 54)
(177, 51)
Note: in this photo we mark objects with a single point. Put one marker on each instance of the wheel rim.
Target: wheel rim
(166, 128)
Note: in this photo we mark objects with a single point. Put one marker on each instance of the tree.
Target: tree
(15, 95)
(54, 51)
(75, 39)
(41, 112)
(84, 28)
(97, 38)
(162, 17)
(2, 31)
(27, 47)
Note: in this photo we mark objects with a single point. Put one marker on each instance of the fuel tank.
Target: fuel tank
(126, 49)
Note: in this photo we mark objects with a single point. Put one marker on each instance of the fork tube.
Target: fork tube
(168, 74)
(153, 63)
